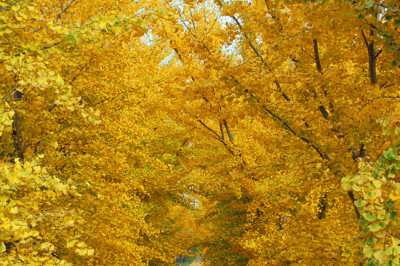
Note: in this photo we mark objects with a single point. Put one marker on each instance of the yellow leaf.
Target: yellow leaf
(71, 243)
(54, 144)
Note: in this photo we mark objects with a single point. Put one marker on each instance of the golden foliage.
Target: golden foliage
(133, 132)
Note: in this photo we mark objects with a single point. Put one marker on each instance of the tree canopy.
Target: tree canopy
(252, 132)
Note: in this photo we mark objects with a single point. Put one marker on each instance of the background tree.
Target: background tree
(79, 93)
(299, 86)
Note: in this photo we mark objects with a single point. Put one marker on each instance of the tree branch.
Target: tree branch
(365, 39)
(222, 131)
(286, 125)
(228, 131)
(65, 9)
(316, 54)
(377, 98)
(212, 131)
(378, 53)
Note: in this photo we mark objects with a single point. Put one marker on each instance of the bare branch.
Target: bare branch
(65, 9)
(352, 198)
(323, 111)
(280, 90)
(245, 35)
(51, 45)
(365, 39)
(289, 128)
(371, 58)
(248, 39)
(81, 70)
(7, 96)
(378, 53)
(286, 125)
(384, 35)
(35, 153)
(220, 139)
(267, 4)
(377, 98)
(229, 131)
(316, 54)
(222, 131)
(212, 131)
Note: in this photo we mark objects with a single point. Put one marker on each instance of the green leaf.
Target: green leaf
(363, 222)
(389, 203)
(70, 38)
(396, 250)
(370, 217)
(396, 165)
(390, 263)
(365, 231)
(345, 183)
(375, 227)
(370, 241)
(369, 195)
(368, 251)
(389, 155)
(389, 251)
(371, 262)
(387, 132)
(3, 247)
(369, 4)
(383, 216)
(358, 203)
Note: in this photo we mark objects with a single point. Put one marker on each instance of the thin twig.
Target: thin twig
(378, 53)
(65, 9)
(316, 54)
(215, 133)
(231, 138)
(43, 215)
(365, 39)
(7, 96)
(377, 98)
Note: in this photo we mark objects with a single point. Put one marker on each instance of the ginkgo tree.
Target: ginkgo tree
(288, 93)
(82, 140)
(257, 132)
